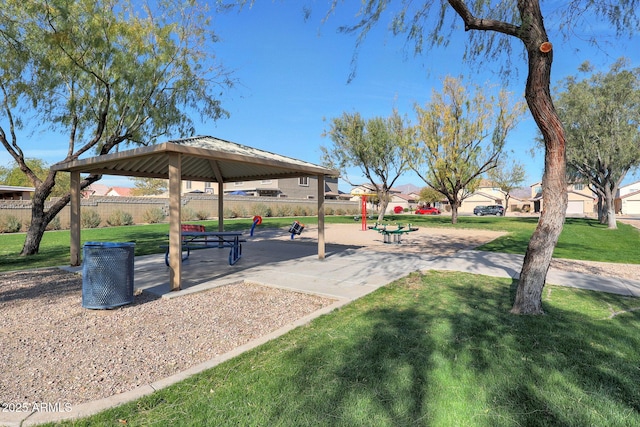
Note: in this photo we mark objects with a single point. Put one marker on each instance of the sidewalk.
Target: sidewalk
(348, 272)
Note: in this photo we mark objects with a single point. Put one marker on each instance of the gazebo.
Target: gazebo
(201, 158)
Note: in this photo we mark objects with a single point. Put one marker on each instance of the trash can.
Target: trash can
(107, 274)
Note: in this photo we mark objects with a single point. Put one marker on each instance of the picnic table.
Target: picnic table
(211, 239)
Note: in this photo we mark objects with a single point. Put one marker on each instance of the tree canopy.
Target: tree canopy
(601, 115)
(102, 73)
(460, 136)
(376, 146)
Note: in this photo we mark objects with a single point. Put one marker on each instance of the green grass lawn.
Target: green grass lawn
(433, 349)
(583, 239)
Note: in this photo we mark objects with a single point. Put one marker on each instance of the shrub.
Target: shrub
(283, 210)
(262, 210)
(328, 211)
(340, 211)
(188, 214)
(153, 216)
(119, 218)
(9, 224)
(90, 219)
(202, 215)
(230, 213)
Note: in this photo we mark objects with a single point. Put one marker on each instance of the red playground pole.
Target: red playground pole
(364, 213)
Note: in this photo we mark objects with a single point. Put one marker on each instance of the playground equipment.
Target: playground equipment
(257, 220)
(363, 207)
(296, 228)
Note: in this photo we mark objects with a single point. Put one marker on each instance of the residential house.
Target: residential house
(95, 189)
(119, 192)
(581, 200)
(486, 194)
(11, 192)
(296, 188)
(628, 199)
(405, 201)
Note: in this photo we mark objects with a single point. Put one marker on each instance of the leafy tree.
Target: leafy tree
(601, 116)
(14, 176)
(460, 138)
(507, 176)
(376, 146)
(493, 26)
(149, 186)
(429, 195)
(103, 73)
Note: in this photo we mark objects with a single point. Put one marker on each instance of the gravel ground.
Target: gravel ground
(61, 352)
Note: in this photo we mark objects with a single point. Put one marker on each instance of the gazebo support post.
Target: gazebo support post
(220, 206)
(74, 220)
(321, 217)
(175, 233)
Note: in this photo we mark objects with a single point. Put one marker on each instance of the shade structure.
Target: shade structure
(201, 158)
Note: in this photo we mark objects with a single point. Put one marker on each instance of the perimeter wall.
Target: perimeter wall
(194, 207)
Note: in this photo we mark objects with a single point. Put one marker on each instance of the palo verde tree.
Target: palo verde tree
(376, 146)
(459, 138)
(493, 26)
(102, 73)
(601, 115)
(507, 176)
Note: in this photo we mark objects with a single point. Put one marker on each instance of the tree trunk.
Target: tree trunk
(383, 199)
(454, 212)
(506, 203)
(38, 223)
(611, 208)
(41, 218)
(537, 259)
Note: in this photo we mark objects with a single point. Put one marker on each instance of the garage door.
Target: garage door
(631, 207)
(575, 207)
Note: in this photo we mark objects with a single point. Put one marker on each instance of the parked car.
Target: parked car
(496, 210)
(428, 211)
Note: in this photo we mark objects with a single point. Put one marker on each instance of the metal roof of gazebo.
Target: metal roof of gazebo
(201, 158)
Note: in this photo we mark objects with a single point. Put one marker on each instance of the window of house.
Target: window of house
(578, 187)
(188, 185)
(238, 183)
(265, 181)
(303, 181)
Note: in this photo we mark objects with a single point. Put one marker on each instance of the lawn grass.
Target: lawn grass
(432, 349)
(581, 239)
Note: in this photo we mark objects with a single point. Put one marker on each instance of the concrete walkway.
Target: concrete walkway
(347, 273)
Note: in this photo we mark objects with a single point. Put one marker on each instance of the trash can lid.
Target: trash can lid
(110, 244)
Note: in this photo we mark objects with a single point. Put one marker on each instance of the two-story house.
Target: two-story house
(296, 188)
(581, 200)
(628, 200)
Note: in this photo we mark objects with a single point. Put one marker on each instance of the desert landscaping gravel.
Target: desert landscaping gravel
(53, 350)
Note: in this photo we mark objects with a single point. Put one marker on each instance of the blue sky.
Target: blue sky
(292, 79)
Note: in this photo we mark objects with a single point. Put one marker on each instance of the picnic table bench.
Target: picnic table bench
(195, 237)
(394, 234)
